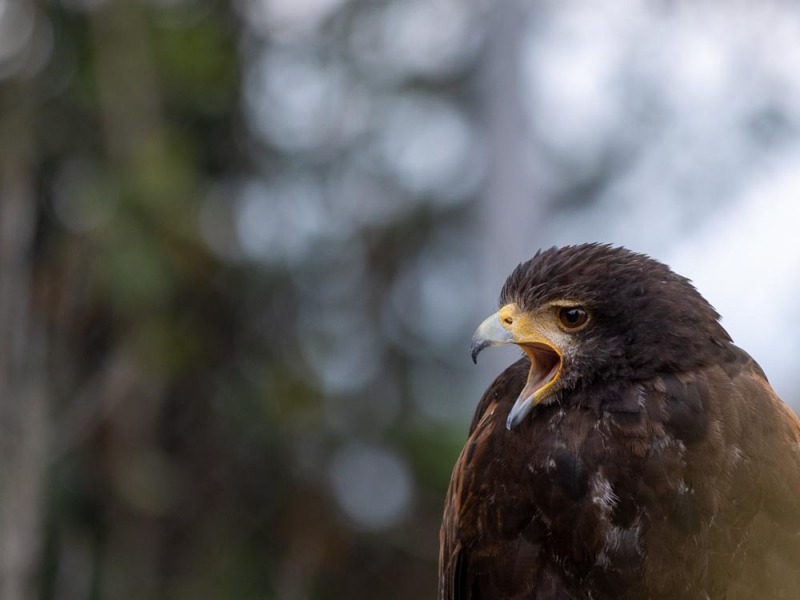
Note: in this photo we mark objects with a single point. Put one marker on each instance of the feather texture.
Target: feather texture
(676, 479)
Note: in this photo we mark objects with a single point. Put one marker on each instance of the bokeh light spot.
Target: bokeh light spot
(372, 485)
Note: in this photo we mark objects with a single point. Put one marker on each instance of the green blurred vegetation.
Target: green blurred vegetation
(179, 441)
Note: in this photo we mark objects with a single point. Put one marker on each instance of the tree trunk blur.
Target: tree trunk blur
(24, 395)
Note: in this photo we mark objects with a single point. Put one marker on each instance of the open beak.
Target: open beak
(511, 326)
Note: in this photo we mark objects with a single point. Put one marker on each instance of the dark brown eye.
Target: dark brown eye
(572, 317)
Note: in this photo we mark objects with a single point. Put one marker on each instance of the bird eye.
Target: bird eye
(572, 317)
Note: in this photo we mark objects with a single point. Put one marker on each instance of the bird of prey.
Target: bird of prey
(632, 452)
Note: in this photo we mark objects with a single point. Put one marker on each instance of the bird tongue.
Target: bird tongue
(537, 378)
(545, 366)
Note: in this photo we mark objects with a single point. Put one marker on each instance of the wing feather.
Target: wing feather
(461, 514)
(598, 495)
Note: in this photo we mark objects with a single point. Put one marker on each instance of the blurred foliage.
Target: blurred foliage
(233, 394)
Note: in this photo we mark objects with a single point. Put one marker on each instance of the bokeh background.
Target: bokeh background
(244, 245)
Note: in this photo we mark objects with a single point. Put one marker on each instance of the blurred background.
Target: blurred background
(244, 245)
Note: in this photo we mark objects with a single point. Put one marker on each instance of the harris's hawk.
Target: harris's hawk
(633, 452)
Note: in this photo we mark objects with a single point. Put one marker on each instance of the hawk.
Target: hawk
(632, 452)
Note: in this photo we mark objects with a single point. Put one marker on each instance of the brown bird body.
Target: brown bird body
(653, 461)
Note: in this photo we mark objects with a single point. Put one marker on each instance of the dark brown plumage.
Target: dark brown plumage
(647, 457)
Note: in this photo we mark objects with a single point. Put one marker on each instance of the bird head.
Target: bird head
(595, 312)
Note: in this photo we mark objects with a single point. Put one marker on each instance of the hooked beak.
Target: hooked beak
(511, 326)
(489, 333)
